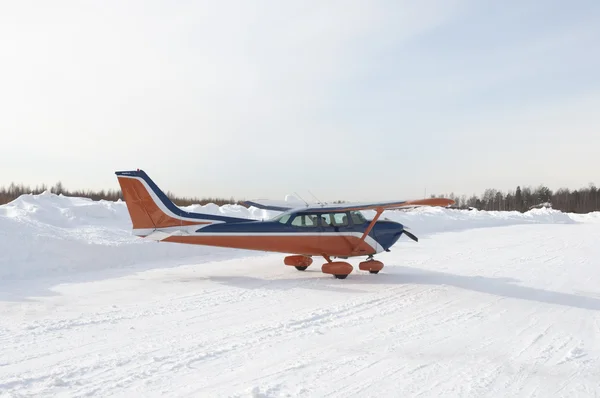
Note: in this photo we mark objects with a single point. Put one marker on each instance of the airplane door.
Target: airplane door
(332, 223)
(308, 239)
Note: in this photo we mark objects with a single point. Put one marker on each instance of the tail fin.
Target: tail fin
(150, 209)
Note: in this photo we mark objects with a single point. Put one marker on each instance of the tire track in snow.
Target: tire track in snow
(434, 338)
(295, 324)
(258, 336)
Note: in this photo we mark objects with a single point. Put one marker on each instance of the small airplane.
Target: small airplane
(328, 231)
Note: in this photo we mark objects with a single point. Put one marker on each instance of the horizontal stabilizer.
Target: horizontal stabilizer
(159, 235)
(269, 205)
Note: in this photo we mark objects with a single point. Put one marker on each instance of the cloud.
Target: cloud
(349, 99)
(186, 84)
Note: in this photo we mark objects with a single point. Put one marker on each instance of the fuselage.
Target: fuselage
(337, 234)
(315, 231)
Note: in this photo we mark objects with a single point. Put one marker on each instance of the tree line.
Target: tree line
(583, 200)
(13, 191)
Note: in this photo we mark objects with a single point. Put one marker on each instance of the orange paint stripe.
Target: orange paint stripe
(307, 245)
(430, 202)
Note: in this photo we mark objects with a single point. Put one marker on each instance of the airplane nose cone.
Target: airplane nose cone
(387, 233)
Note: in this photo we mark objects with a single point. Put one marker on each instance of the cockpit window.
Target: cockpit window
(335, 220)
(340, 219)
(305, 220)
(323, 219)
(357, 217)
(282, 218)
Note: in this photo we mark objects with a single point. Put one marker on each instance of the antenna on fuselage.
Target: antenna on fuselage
(318, 200)
(305, 202)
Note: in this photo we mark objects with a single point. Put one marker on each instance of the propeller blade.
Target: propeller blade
(410, 235)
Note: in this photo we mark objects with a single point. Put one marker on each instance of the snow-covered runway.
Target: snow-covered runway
(481, 306)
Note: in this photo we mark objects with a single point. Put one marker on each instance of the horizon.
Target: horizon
(348, 100)
(51, 187)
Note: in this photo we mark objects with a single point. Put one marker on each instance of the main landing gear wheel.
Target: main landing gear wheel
(339, 269)
(301, 263)
(373, 272)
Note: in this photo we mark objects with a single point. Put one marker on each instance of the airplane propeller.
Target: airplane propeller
(410, 235)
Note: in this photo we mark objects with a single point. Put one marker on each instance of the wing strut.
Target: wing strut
(369, 228)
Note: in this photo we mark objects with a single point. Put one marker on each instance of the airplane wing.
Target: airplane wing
(439, 202)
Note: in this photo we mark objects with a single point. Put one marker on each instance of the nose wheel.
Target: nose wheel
(371, 265)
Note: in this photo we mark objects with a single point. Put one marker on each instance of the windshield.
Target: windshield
(282, 218)
(357, 217)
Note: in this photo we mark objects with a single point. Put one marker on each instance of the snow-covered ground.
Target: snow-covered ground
(486, 304)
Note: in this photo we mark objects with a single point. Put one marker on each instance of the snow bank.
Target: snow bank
(48, 235)
(232, 210)
(593, 217)
(428, 220)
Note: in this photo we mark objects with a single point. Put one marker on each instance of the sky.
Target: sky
(350, 100)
